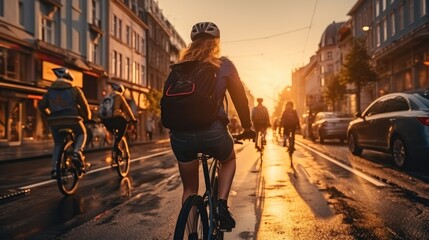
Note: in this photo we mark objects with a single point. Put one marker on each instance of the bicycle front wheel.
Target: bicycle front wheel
(123, 161)
(192, 222)
(67, 173)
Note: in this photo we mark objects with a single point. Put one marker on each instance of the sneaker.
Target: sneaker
(79, 161)
(226, 222)
(54, 174)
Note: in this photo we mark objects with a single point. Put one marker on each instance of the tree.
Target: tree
(283, 97)
(357, 69)
(334, 92)
(154, 98)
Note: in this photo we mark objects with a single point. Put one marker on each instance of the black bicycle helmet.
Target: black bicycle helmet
(204, 30)
(63, 73)
(118, 87)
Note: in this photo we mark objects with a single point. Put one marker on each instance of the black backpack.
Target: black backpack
(189, 100)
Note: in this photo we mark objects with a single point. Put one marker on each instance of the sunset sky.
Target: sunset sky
(266, 40)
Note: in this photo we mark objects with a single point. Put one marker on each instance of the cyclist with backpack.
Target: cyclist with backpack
(65, 100)
(290, 123)
(261, 119)
(115, 114)
(191, 107)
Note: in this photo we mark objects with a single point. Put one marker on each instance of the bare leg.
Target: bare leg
(226, 175)
(190, 178)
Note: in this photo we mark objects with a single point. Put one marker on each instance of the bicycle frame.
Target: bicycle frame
(209, 176)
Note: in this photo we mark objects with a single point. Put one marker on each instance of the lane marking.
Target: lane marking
(354, 171)
(96, 170)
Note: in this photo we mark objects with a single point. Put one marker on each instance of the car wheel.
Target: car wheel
(399, 153)
(353, 145)
(321, 138)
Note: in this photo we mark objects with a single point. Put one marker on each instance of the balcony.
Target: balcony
(56, 3)
(95, 25)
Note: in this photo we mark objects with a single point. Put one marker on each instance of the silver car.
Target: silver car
(396, 123)
(330, 125)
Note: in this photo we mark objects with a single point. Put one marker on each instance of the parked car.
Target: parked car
(331, 125)
(396, 123)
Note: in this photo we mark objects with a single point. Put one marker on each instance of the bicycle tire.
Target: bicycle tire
(123, 162)
(67, 175)
(187, 222)
(215, 190)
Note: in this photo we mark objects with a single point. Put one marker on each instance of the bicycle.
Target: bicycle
(259, 143)
(290, 145)
(196, 219)
(69, 172)
(120, 158)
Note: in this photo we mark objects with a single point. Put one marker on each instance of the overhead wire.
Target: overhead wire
(267, 37)
(311, 24)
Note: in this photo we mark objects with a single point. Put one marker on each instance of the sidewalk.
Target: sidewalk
(43, 149)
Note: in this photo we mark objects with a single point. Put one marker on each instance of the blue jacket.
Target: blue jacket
(229, 80)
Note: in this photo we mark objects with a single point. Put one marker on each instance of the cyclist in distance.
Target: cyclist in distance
(214, 140)
(289, 122)
(63, 99)
(261, 119)
(120, 115)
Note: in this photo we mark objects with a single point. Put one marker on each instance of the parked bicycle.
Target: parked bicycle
(69, 171)
(197, 219)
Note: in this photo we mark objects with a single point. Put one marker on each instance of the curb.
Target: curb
(34, 157)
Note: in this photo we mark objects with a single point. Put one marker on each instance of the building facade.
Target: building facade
(99, 41)
(397, 34)
(40, 35)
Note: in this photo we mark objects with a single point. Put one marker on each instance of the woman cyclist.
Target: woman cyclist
(214, 140)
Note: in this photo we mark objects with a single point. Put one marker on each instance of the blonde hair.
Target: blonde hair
(205, 50)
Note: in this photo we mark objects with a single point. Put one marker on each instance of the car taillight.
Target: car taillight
(424, 120)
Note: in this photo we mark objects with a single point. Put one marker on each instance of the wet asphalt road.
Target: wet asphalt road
(317, 199)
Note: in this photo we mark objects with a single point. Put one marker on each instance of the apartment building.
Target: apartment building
(397, 34)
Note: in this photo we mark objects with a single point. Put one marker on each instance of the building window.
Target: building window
(128, 32)
(133, 40)
(94, 52)
(329, 55)
(95, 14)
(21, 12)
(114, 62)
(422, 8)
(411, 11)
(120, 65)
(120, 29)
(143, 79)
(143, 48)
(378, 33)
(127, 69)
(377, 7)
(9, 64)
(114, 25)
(384, 29)
(392, 24)
(2, 8)
(48, 26)
(401, 17)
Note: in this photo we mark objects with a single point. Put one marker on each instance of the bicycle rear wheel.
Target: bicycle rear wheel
(67, 173)
(123, 161)
(192, 222)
